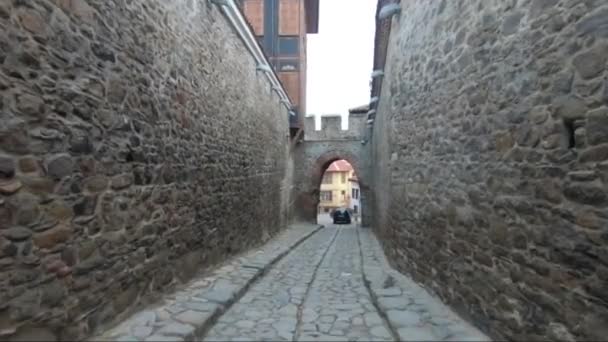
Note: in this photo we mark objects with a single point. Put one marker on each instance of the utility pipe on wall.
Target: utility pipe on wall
(239, 23)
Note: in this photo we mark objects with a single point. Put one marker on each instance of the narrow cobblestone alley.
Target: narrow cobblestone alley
(163, 170)
(316, 292)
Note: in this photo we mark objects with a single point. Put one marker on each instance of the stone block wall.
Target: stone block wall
(309, 124)
(490, 154)
(137, 147)
(318, 150)
(357, 125)
(331, 128)
(312, 158)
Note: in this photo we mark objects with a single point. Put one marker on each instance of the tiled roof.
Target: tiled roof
(339, 166)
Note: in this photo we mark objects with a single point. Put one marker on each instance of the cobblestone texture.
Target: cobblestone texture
(338, 306)
(191, 310)
(333, 285)
(318, 293)
(269, 310)
(414, 313)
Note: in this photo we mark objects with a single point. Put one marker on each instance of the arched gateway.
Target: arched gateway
(321, 148)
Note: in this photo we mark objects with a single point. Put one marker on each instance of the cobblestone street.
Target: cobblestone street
(316, 292)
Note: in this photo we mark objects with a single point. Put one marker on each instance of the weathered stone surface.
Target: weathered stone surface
(511, 23)
(161, 338)
(380, 332)
(271, 308)
(562, 83)
(122, 181)
(594, 154)
(141, 332)
(389, 292)
(586, 193)
(33, 333)
(25, 208)
(7, 167)
(595, 23)
(53, 236)
(388, 303)
(28, 164)
(569, 107)
(414, 334)
(219, 295)
(504, 142)
(550, 196)
(8, 187)
(596, 128)
(38, 185)
(403, 318)
(591, 63)
(203, 307)
(177, 329)
(196, 318)
(59, 166)
(96, 148)
(30, 105)
(96, 183)
(17, 233)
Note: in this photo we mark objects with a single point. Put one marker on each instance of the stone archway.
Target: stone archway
(310, 172)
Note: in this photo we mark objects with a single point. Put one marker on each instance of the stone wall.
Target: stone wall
(490, 154)
(318, 150)
(137, 146)
(331, 128)
(312, 158)
(357, 125)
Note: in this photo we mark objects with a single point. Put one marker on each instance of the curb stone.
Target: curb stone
(411, 312)
(191, 311)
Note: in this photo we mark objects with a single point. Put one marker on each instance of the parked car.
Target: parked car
(341, 216)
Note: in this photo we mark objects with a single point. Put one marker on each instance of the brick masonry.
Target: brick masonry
(137, 146)
(490, 154)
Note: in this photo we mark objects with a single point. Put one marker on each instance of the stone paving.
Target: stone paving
(332, 284)
(191, 311)
(338, 306)
(269, 310)
(412, 313)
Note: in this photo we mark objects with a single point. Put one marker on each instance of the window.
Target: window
(325, 196)
(327, 178)
(289, 64)
(356, 209)
(288, 46)
(355, 193)
(343, 177)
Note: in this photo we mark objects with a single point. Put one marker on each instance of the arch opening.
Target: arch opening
(338, 188)
(314, 161)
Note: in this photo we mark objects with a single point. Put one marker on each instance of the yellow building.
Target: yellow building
(336, 187)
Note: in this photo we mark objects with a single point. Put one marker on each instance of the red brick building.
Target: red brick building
(281, 27)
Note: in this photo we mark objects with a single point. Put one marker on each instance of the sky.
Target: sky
(340, 58)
